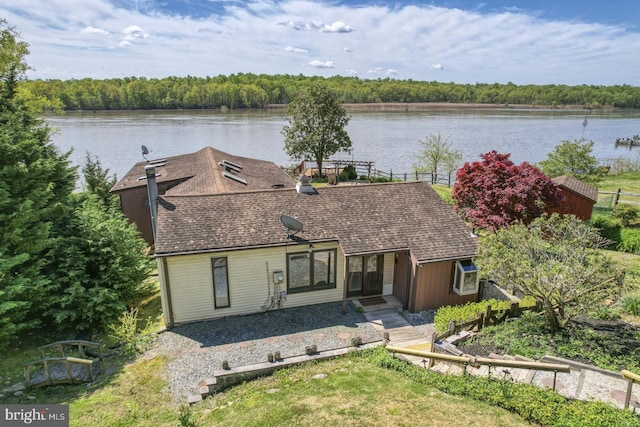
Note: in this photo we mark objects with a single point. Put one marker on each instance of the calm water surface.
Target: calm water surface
(390, 139)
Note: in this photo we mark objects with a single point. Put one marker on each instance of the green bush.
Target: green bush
(470, 311)
(605, 312)
(348, 174)
(630, 304)
(608, 227)
(626, 213)
(629, 240)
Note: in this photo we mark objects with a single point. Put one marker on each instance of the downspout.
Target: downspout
(152, 190)
(344, 286)
(167, 291)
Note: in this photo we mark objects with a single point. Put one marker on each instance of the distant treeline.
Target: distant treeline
(258, 91)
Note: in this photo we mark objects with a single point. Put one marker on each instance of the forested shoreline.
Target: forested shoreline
(239, 91)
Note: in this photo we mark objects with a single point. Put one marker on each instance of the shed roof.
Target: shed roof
(203, 172)
(579, 187)
(362, 218)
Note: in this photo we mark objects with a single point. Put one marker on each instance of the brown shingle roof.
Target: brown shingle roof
(200, 173)
(362, 218)
(581, 188)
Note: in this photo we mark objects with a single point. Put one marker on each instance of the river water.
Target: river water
(390, 139)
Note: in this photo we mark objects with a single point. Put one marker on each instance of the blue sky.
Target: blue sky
(525, 42)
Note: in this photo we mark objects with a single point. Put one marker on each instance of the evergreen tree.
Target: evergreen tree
(35, 183)
(98, 182)
(100, 262)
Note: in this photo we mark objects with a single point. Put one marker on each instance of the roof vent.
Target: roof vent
(304, 185)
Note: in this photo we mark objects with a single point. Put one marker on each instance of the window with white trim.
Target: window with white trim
(311, 271)
(467, 278)
(220, 282)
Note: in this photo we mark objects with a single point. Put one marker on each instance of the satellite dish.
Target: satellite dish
(292, 224)
(145, 151)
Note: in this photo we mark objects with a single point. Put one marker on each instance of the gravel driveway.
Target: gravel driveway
(196, 350)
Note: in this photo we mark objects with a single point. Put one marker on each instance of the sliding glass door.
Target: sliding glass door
(364, 275)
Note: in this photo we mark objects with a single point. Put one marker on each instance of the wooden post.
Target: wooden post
(452, 327)
(616, 198)
(480, 323)
(627, 398)
(432, 349)
(27, 380)
(487, 316)
(514, 310)
(405, 177)
(46, 372)
(67, 365)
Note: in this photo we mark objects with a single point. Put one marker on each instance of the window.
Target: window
(311, 271)
(220, 282)
(467, 278)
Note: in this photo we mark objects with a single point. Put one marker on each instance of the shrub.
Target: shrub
(629, 240)
(630, 304)
(608, 228)
(127, 333)
(348, 174)
(625, 213)
(470, 311)
(605, 312)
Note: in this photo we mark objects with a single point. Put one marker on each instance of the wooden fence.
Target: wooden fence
(608, 200)
(490, 317)
(367, 171)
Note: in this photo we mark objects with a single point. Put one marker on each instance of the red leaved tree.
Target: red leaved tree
(495, 193)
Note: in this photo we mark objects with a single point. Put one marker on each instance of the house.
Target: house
(206, 171)
(238, 253)
(579, 197)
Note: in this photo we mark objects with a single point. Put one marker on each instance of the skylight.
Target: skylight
(234, 177)
(232, 164)
(158, 162)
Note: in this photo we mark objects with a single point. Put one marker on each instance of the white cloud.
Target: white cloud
(92, 30)
(296, 49)
(71, 40)
(336, 27)
(322, 64)
(391, 72)
(351, 72)
(134, 32)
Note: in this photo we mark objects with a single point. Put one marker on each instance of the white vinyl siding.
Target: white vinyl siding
(250, 282)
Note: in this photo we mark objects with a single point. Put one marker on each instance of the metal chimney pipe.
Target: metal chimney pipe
(152, 190)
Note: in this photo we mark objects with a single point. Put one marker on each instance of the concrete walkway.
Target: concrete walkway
(387, 321)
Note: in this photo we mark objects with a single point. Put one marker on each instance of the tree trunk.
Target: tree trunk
(552, 316)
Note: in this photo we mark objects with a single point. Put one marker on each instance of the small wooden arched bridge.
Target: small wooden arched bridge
(64, 369)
